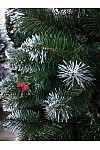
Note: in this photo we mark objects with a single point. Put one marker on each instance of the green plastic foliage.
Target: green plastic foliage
(65, 34)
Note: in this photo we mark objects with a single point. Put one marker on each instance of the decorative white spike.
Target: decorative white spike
(55, 109)
(75, 71)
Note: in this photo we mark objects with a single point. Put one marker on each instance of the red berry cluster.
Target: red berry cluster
(23, 86)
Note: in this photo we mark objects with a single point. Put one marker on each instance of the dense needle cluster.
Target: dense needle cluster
(55, 107)
(29, 46)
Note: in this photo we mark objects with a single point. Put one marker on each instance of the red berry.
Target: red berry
(22, 85)
(18, 84)
(25, 87)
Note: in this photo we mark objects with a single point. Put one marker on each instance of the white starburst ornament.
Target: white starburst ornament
(56, 108)
(75, 71)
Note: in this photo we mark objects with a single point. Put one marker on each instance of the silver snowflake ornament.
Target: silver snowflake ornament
(74, 71)
(56, 107)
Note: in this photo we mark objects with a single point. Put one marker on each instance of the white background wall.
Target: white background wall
(2, 17)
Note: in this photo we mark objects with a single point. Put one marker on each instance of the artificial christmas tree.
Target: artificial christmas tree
(54, 92)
